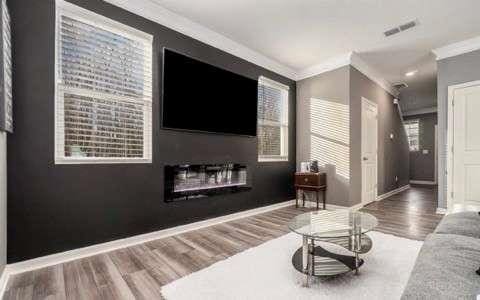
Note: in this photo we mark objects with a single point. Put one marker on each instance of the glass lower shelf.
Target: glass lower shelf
(326, 263)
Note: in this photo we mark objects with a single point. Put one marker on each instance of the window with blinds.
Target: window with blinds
(7, 123)
(104, 89)
(272, 120)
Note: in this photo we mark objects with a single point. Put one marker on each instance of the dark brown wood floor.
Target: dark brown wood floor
(138, 272)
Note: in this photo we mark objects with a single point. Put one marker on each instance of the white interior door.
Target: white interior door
(466, 149)
(369, 151)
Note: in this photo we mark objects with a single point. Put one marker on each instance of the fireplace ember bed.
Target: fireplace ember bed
(185, 182)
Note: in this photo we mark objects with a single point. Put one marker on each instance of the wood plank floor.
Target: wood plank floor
(410, 214)
(138, 272)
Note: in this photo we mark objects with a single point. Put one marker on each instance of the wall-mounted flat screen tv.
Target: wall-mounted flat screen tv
(201, 97)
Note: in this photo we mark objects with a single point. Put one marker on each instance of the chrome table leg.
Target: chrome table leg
(305, 257)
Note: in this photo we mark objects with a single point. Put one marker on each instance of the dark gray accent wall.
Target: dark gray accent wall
(451, 71)
(330, 86)
(54, 208)
(422, 165)
(393, 155)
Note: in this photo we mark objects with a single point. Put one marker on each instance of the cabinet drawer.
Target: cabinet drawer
(310, 179)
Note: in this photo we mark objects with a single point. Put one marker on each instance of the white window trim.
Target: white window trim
(273, 158)
(272, 83)
(64, 8)
(285, 141)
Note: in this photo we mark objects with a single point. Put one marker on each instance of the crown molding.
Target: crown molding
(457, 48)
(353, 59)
(158, 14)
(372, 73)
(153, 11)
(328, 65)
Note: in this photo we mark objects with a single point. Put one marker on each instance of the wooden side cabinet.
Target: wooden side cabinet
(314, 182)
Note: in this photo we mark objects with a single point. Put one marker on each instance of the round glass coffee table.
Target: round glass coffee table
(344, 228)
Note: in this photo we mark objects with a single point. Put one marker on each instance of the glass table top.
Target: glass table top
(332, 223)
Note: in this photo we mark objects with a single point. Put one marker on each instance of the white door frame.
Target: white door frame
(368, 102)
(435, 173)
(450, 143)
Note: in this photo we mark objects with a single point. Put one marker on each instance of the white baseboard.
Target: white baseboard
(58, 258)
(426, 182)
(354, 207)
(331, 206)
(441, 211)
(393, 192)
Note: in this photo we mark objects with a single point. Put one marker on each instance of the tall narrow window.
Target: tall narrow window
(6, 75)
(272, 120)
(104, 89)
(412, 130)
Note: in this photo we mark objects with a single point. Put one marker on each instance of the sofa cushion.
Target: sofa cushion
(445, 269)
(462, 223)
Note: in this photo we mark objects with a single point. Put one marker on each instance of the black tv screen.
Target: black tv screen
(201, 97)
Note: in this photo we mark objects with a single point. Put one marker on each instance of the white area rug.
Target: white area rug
(266, 272)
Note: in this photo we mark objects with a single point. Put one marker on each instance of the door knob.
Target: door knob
(365, 158)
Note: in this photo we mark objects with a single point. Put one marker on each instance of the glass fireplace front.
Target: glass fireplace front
(192, 181)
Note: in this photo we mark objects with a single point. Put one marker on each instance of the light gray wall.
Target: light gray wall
(331, 86)
(453, 70)
(347, 86)
(3, 201)
(393, 155)
(422, 166)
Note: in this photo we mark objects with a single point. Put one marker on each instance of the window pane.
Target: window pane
(412, 131)
(102, 61)
(102, 128)
(269, 140)
(270, 108)
(7, 65)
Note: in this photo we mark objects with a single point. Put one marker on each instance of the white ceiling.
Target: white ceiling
(303, 33)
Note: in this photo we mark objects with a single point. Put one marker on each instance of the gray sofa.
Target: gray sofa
(446, 265)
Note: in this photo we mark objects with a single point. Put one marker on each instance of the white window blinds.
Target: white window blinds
(272, 120)
(104, 89)
(7, 68)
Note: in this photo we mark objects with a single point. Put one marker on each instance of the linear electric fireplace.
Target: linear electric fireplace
(184, 182)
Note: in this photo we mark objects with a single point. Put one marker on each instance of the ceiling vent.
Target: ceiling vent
(401, 28)
(400, 85)
(392, 31)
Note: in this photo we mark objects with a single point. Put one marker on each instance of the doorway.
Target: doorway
(369, 151)
(463, 169)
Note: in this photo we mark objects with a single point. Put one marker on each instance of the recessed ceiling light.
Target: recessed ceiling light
(411, 73)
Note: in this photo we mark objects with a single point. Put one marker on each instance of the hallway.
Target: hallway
(410, 214)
